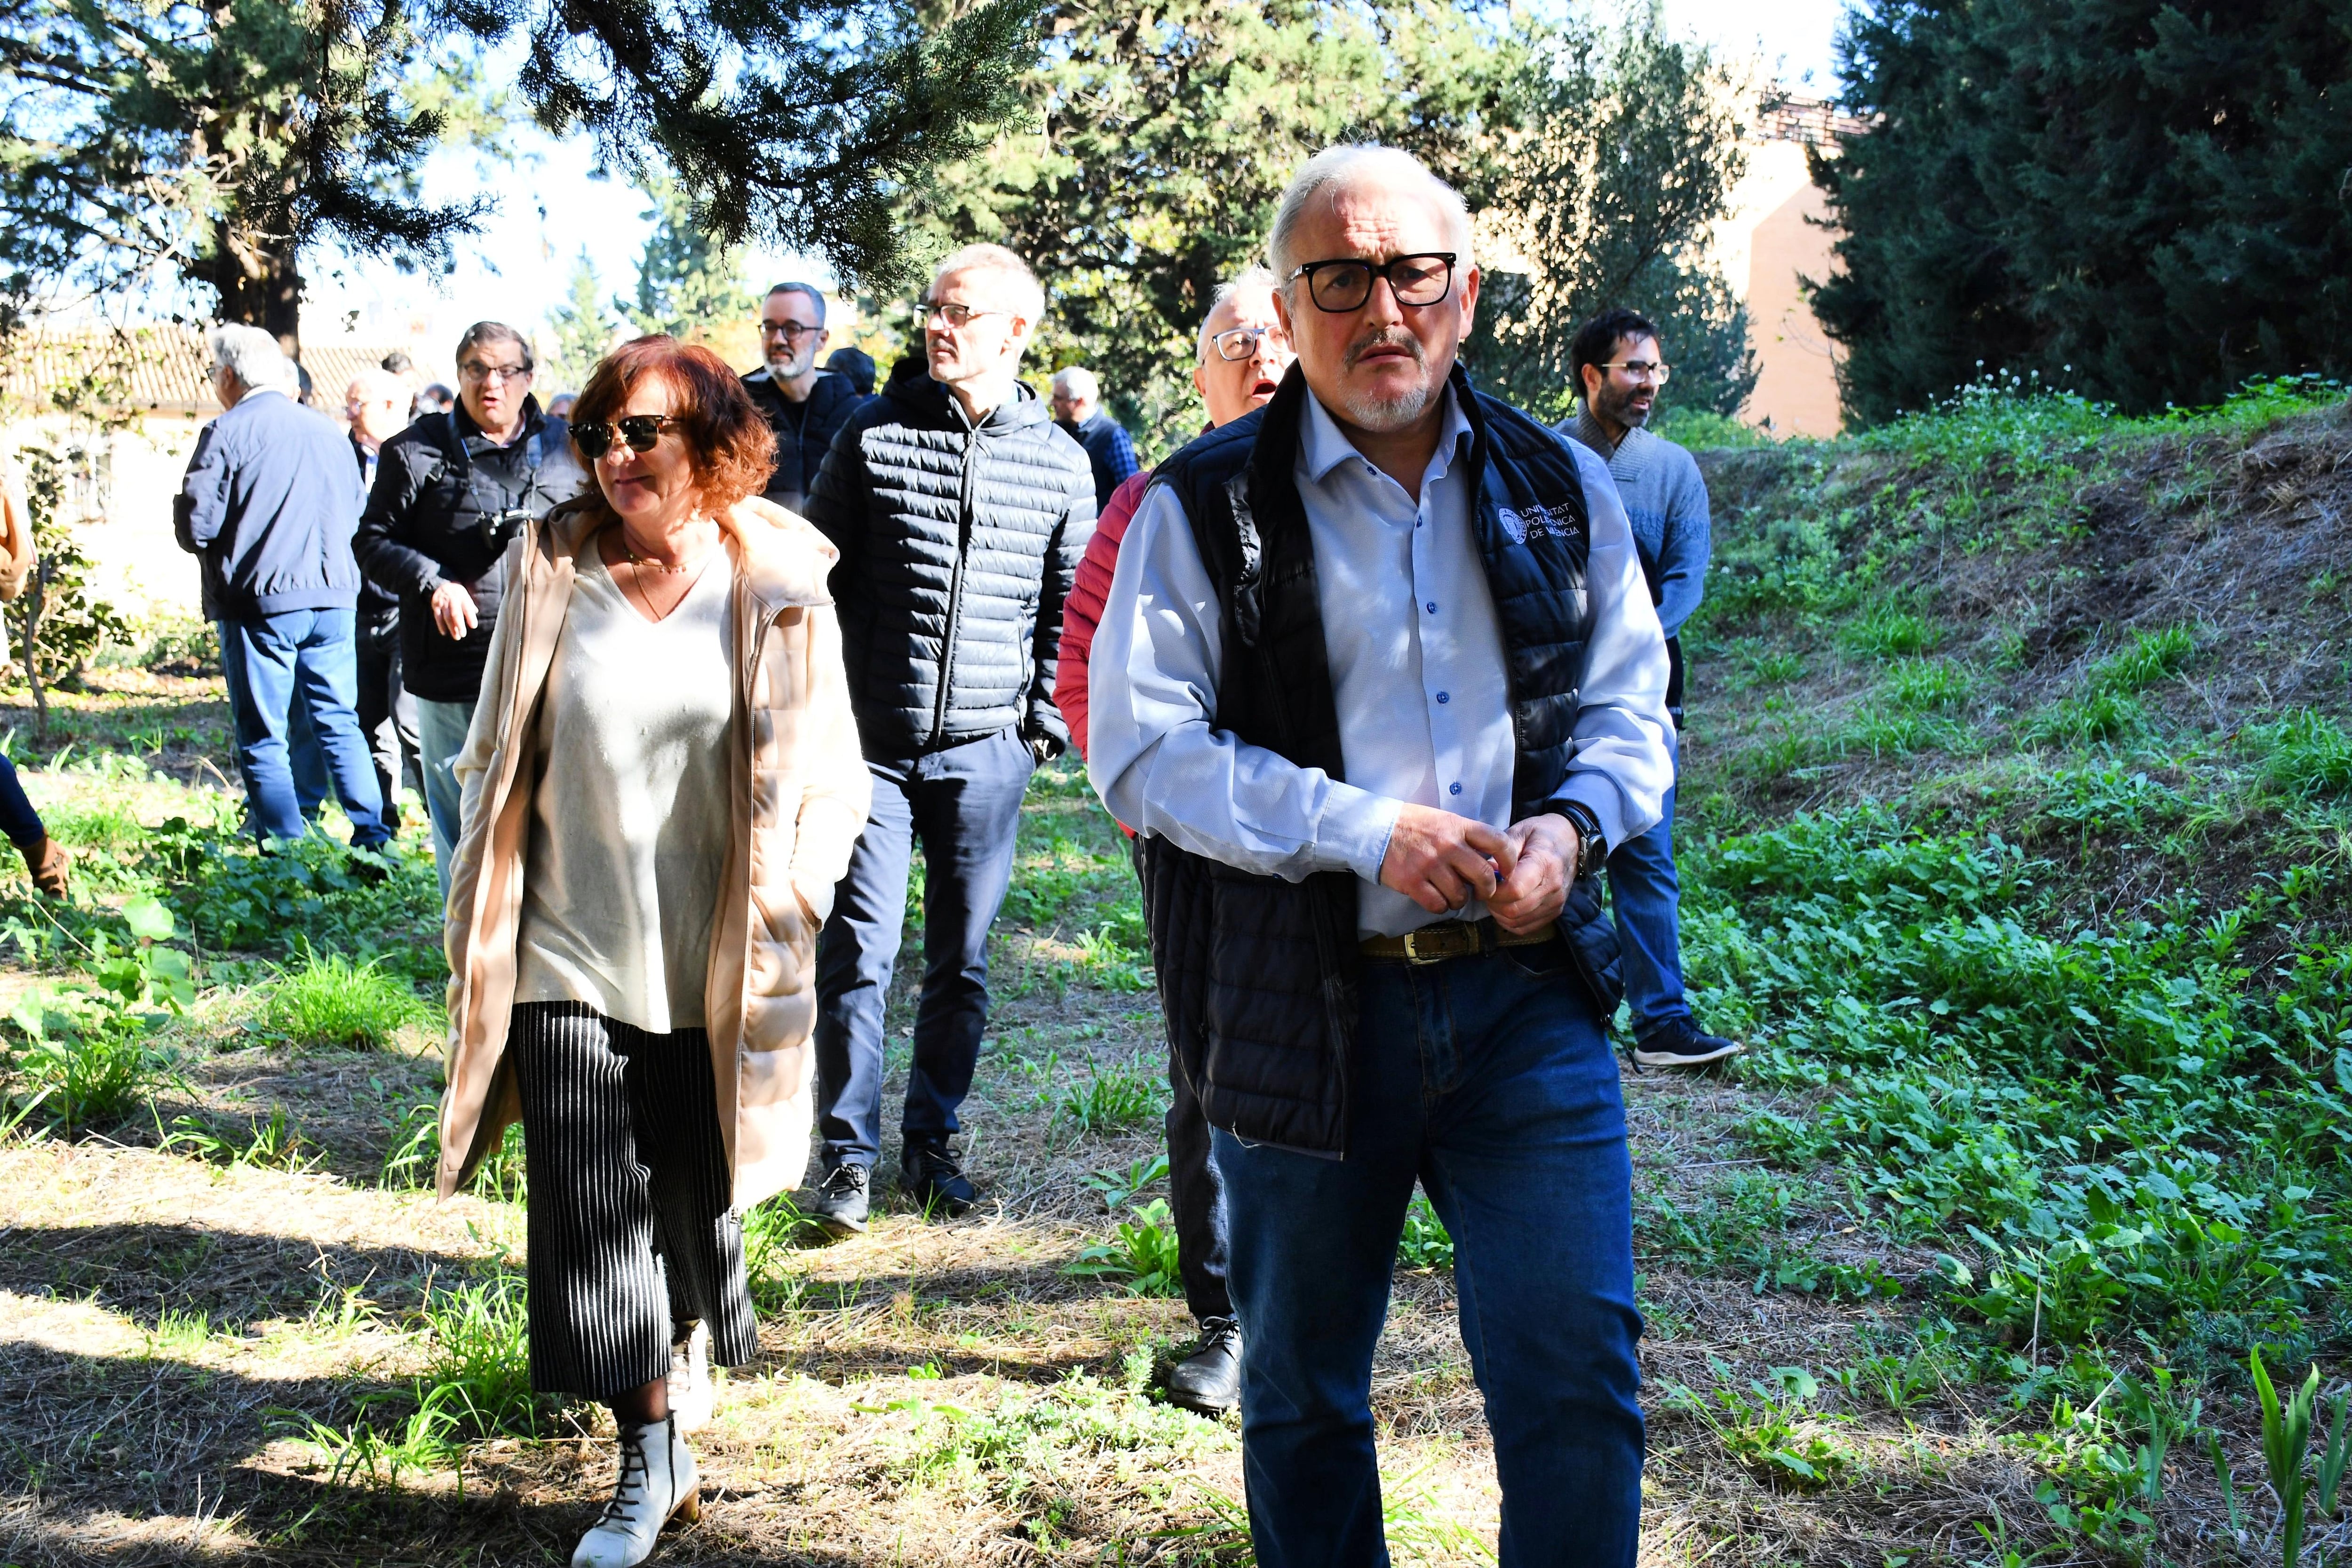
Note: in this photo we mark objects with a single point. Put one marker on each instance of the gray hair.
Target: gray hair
(251, 355)
(378, 386)
(1029, 295)
(496, 332)
(1079, 383)
(1256, 277)
(1363, 162)
(815, 296)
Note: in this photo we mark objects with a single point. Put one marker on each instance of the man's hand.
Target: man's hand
(454, 611)
(1442, 861)
(1542, 868)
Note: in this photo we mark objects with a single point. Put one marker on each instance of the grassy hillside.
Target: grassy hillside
(2016, 807)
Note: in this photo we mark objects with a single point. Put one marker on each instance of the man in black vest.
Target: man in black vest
(1380, 682)
(805, 405)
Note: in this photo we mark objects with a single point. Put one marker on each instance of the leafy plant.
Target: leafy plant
(272, 1143)
(327, 1000)
(1425, 1243)
(2286, 1437)
(2152, 656)
(1116, 1187)
(1772, 1428)
(2304, 754)
(1144, 1253)
(479, 1366)
(1886, 632)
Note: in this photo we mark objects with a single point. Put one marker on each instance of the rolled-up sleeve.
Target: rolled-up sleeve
(1155, 754)
(1623, 761)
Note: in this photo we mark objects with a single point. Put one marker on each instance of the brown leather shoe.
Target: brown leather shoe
(48, 861)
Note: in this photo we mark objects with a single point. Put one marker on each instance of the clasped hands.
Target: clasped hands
(1442, 861)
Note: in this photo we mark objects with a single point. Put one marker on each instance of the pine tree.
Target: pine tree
(578, 330)
(689, 284)
(2144, 200)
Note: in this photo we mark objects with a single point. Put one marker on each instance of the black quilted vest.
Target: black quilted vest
(1258, 976)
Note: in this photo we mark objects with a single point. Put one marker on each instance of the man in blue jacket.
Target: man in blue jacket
(269, 506)
(1619, 368)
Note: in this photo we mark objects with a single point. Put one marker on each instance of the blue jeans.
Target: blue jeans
(1490, 1081)
(19, 823)
(1646, 901)
(267, 662)
(964, 805)
(440, 735)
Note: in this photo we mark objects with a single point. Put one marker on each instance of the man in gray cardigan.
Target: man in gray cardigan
(1619, 368)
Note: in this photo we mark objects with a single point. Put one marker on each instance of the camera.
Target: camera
(499, 528)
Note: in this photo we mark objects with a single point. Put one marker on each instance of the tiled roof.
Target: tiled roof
(162, 369)
(1813, 120)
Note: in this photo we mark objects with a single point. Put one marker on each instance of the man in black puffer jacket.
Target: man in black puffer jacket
(450, 492)
(961, 512)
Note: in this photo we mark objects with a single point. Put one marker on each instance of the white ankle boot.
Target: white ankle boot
(690, 1395)
(657, 1484)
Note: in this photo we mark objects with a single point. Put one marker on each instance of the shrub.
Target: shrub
(330, 1001)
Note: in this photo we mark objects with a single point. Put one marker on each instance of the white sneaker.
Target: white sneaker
(691, 1396)
(657, 1484)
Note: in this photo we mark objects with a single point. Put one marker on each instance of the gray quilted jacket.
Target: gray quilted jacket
(957, 546)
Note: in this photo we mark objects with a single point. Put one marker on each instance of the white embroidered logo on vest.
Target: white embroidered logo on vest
(1538, 522)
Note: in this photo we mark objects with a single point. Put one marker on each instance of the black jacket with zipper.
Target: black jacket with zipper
(958, 547)
(424, 526)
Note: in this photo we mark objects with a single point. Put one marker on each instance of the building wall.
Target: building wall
(1776, 238)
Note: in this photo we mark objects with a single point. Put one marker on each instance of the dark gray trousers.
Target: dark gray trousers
(631, 1231)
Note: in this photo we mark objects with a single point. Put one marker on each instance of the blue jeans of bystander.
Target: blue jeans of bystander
(265, 662)
(440, 735)
(1645, 898)
(1489, 1079)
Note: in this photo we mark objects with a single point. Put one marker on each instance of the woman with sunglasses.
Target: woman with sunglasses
(662, 785)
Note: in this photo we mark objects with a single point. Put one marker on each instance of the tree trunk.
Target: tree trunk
(259, 281)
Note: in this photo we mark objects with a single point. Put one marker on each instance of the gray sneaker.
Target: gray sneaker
(841, 1202)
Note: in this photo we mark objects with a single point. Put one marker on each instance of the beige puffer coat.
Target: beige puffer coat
(800, 791)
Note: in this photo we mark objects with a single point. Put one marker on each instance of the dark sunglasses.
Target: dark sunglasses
(643, 432)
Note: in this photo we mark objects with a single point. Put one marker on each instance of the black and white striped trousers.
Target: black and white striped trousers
(632, 1235)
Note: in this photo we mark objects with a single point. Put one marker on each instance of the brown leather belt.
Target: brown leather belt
(1450, 939)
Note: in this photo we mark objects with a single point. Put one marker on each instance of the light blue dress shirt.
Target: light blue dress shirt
(1417, 669)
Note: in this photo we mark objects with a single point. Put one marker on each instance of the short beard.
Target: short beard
(1387, 414)
(780, 369)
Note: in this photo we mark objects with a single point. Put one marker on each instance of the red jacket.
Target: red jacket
(1082, 612)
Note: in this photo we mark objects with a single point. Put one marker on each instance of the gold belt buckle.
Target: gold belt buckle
(1445, 942)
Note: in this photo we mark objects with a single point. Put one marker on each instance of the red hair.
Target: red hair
(727, 441)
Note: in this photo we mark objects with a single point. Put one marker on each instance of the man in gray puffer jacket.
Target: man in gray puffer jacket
(960, 511)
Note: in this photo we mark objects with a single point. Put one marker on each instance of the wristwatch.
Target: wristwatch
(1591, 847)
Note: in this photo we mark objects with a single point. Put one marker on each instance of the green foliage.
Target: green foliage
(1772, 1428)
(1144, 1253)
(579, 329)
(2304, 754)
(1886, 632)
(687, 283)
(2059, 186)
(1424, 1244)
(1629, 148)
(330, 1001)
(85, 1053)
(271, 1144)
(1159, 141)
(57, 620)
(1116, 1187)
(1110, 1099)
(2286, 1437)
(2153, 656)
(413, 1156)
(1930, 685)
(295, 896)
(479, 1360)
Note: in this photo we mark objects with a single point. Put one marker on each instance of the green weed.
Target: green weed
(1117, 1187)
(478, 1366)
(413, 1156)
(1425, 1243)
(1927, 685)
(272, 1143)
(2303, 755)
(1110, 1099)
(1887, 632)
(330, 1001)
(1772, 1428)
(1144, 1253)
(2153, 656)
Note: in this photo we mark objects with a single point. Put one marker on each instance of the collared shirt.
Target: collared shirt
(1418, 676)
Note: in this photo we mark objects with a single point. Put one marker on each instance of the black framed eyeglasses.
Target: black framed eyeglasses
(1240, 342)
(643, 432)
(1641, 370)
(1345, 284)
(790, 331)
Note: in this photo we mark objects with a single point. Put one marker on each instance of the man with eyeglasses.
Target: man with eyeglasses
(1242, 357)
(1378, 681)
(1077, 408)
(450, 492)
(1619, 368)
(960, 512)
(804, 405)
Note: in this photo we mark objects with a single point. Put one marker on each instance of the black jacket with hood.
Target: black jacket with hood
(958, 547)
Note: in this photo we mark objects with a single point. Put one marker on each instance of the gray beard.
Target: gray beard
(1385, 415)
